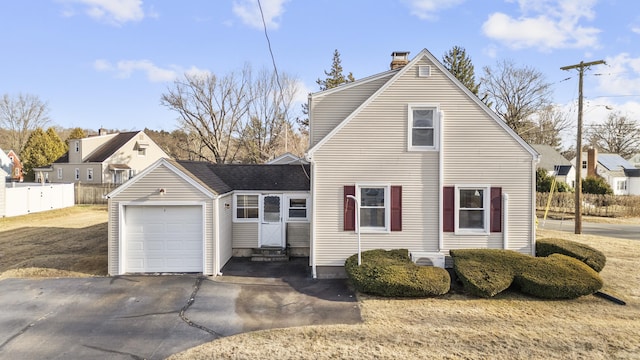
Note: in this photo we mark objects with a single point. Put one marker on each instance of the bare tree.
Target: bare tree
(516, 93)
(21, 115)
(266, 135)
(214, 108)
(618, 135)
(546, 127)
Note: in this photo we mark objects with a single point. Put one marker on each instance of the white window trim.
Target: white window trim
(144, 152)
(89, 174)
(60, 173)
(77, 174)
(288, 197)
(436, 126)
(235, 209)
(387, 209)
(486, 205)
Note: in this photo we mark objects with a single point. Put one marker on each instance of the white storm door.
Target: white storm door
(271, 224)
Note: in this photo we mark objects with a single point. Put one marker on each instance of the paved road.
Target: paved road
(148, 317)
(622, 231)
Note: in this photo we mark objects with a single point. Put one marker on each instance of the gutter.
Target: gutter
(440, 183)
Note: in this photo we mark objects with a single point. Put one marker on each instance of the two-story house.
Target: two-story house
(11, 164)
(620, 174)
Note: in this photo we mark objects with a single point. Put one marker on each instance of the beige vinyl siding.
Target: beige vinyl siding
(146, 190)
(372, 147)
(331, 108)
(298, 234)
(245, 235)
(225, 218)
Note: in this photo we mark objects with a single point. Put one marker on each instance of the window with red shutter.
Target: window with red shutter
(396, 208)
(496, 209)
(449, 209)
(349, 208)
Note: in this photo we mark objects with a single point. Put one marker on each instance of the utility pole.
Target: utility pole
(578, 188)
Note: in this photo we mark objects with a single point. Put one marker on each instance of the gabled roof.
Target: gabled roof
(223, 178)
(286, 159)
(110, 147)
(550, 158)
(398, 74)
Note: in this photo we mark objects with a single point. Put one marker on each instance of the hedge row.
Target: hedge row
(588, 255)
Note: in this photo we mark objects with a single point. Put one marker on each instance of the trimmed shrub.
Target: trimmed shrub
(392, 273)
(487, 272)
(585, 253)
(559, 277)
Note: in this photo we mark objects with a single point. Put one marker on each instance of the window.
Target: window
(59, 173)
(472, 209)
(380, 208)
(423, 127)
(142, 151)
(584, 164)
(297, 207)
(77, 174)
(77, 145)
(246, 207)
(89, 174)
(621, 185)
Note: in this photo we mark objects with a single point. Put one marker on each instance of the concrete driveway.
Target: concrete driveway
(152, 317)
(621, 231)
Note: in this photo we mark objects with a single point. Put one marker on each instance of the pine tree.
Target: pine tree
(460, 65)
(335, 77)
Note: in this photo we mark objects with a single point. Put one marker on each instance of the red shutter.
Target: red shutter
(396, 208)
(496, 209)
(448, 209)
(349, 208)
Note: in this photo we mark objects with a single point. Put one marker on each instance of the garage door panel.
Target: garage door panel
(163, 239)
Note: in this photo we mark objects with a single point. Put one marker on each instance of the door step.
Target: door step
(269, 254)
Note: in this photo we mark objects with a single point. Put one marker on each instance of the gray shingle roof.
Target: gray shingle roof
(223, 178)
(550, 158)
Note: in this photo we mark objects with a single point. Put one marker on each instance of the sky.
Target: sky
(106, 63)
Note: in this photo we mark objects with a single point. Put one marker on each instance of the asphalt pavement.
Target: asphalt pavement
(621, 231)
(152, 317)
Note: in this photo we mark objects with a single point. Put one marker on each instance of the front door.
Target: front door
(271, 224)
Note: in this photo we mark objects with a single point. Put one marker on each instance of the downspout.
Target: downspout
(440, 183)
(314, 272)
(534, 165)
(505, 221)
(216, 237)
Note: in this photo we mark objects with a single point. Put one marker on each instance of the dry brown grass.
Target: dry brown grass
(67, 242)
(510, 326)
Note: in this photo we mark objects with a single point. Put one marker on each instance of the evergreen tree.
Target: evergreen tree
(41, 149)
(335, 77)
(460, 65)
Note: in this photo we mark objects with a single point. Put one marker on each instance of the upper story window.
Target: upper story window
(142, 151)
(297, 207)
(77, 145)
(59, 173)
(89, 174)
(246, 207)
(423, 127)
(472, 209)
(77, 177)
(584, 164)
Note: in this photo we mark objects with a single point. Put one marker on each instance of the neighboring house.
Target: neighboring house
(430, 166)
(287, 159)
(11, 164)
(620, 174)
(635, 160)
(183, 216)
(555, 164)
(106, 158)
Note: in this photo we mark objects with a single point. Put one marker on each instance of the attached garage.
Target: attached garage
(162, 238)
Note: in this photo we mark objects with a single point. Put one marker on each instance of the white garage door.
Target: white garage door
(163, 239)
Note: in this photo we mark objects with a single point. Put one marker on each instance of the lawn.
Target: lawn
(455, 326)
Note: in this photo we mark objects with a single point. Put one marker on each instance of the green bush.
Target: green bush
(487, 272)
(588, 255)
(392, 273)
(596, 185)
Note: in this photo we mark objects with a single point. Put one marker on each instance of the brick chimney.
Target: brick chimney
(592, 162)
(399, 59)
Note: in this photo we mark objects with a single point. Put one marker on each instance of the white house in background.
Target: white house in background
(106, 158)
(556, 164)
(620, 174)
(287, 159)
(428, 165)
(635, 160)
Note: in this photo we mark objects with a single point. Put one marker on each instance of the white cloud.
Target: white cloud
(622, 76)
(545, 24)
(114, 12)
(249, 12)
(124, 69)
(427, 9)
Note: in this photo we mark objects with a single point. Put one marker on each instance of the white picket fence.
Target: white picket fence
(27, 198)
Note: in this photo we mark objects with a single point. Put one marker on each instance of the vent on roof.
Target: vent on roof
(427, 258)
(424, 71)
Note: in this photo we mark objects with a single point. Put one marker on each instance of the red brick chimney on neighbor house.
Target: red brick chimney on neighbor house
(399, 59)
(592, 162)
